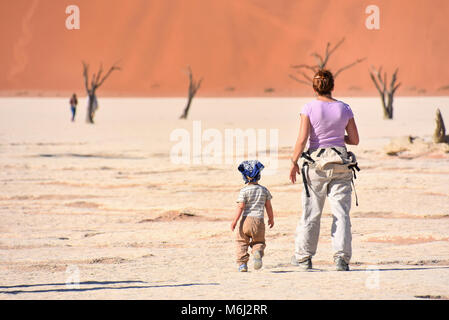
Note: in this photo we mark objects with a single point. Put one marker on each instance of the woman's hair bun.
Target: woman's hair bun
(323, 82)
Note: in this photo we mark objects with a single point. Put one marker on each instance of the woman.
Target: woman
(326, 172)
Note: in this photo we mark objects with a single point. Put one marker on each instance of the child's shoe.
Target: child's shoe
(243, 268)
(257, 260)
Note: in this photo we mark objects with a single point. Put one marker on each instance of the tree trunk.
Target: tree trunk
(389, 106)
(91, 108)
(384, 106)
(186, 109)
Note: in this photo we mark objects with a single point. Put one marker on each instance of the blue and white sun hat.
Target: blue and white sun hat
(250, 170)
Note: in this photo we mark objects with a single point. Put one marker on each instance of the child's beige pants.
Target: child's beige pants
(333, 182)
(251, 233)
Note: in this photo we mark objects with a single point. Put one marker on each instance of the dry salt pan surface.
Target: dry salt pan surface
(102, 212)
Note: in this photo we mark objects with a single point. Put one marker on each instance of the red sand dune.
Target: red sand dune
(247, 45)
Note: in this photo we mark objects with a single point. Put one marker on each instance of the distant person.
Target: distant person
(252, 201)
(327, 171)
(73, 105)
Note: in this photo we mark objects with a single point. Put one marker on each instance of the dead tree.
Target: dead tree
(96, 81)
(440, 131)
(386, 92)
(321, 63)
(193, 88)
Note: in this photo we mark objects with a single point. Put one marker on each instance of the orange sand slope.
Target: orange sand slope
(239, 47)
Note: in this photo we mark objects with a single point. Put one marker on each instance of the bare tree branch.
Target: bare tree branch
(335, 47)
(377, 73)
(114, 67)
(86, 75)
(298, 80)
(100, 71)
(321, 63)
(198, 85)
(306, 76)
(319, 60)
(393, 80)
(299, 66)
(326, 54)
(373, 77)
(348, 66)
(396, 87)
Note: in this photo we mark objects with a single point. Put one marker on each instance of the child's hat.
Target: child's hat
(250, 170)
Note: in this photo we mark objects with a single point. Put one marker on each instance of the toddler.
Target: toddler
(252, 201)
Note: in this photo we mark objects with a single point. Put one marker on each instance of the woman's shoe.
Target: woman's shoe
(303, 265)
(341, 265)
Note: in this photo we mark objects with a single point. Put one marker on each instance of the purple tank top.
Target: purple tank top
(328, 123)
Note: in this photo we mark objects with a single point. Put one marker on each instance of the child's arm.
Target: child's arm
(269, 209)
(240, 207)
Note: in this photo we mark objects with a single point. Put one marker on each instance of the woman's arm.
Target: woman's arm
(303, 135)
(301, 142)
(353, 133)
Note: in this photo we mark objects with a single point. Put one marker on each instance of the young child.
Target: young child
(252, 200)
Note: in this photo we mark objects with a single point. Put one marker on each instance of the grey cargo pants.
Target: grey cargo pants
(331, 180)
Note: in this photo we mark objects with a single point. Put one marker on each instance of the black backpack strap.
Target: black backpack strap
(307, 157)
(304, 179)
(338, 152)
(320, 153)
(355, 193)
(354, 167)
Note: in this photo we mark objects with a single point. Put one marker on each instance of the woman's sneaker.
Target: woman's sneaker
(257, 260)
(243, 268)
(303, 265)
(341, 265)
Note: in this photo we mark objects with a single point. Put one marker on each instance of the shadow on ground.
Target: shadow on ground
(98, 285)
(367, 269)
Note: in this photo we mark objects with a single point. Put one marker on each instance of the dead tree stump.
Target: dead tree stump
(439, 135)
